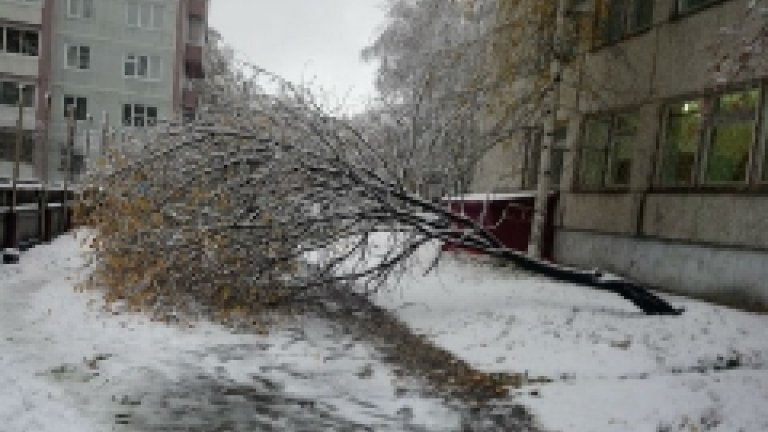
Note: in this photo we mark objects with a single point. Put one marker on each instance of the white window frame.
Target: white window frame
(154, 66)
(79, 57)
(144, 116)
(79, 8)
(155, 10)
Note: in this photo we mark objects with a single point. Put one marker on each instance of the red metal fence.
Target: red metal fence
(509, 217)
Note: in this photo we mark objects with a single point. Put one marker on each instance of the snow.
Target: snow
(593, 362)
(67, 365)
(612, 368)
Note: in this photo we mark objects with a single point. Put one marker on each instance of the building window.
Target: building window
(18, 41)
(681, 142)
(142, 66)
(138, 115)
(616, 19)
(196, 31)
(9, 94)
(30, 43)
(684, 6)
(78, 57)
(79, 8)
(558, 154)
(607, 150)
(13, 40)
(145, 15)
(731, 137)
(80, 105)
(709, 140)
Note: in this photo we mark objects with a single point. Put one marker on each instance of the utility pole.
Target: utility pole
(104, 133)
(88, 127)
(552, 107)
(13, 217)
(68, 162)
(42, 148)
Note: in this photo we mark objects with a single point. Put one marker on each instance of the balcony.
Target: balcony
(189, 99)
(198, 8)
(18, 65)
(28, 12)
(193, 62)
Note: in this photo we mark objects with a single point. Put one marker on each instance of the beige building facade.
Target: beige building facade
(662, 158)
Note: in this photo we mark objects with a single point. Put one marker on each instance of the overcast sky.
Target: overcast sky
(303, 40)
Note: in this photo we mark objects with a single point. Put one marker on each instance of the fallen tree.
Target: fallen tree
(263, 199)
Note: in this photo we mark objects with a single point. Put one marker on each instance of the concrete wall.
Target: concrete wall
(18, 64)
(500, 170)
(728, 275)
(725, 219)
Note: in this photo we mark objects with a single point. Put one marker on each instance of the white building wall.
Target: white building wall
(104, 84)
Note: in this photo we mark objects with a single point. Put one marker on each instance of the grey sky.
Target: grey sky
(309, 40)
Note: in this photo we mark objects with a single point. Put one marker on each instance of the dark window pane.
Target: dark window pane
(30, 43)
(13, 42)
(641, 15)
(68, 102)
(85, 57)
(9, 95)
(610, 20)
(81, 111)
(2, 38)
(151, 116)
(688, 5)
(127, 114)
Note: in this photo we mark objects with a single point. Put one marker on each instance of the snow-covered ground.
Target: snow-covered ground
(612, 368)
(66, 365)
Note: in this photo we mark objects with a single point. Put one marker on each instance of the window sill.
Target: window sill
(610, 190)
(145, 80)
(625, 37)
(740, 189)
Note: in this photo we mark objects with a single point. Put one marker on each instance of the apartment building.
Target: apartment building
(22, 73)
(124, 63)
